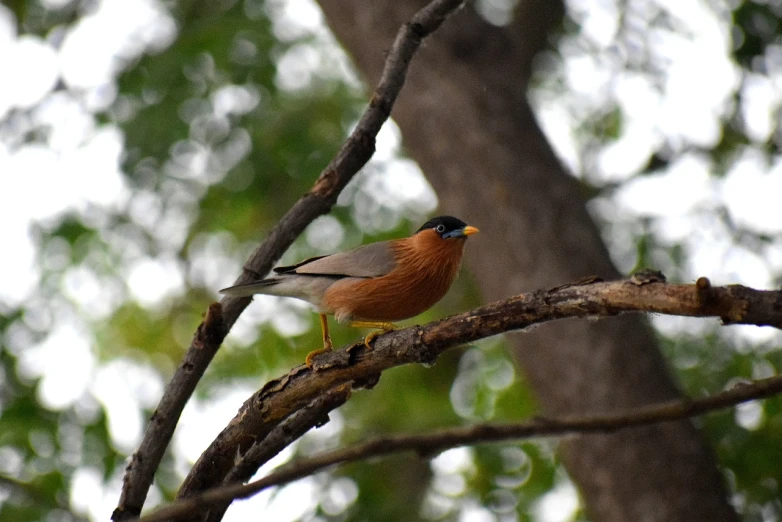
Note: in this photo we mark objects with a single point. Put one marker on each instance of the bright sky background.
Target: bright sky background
(77, 170)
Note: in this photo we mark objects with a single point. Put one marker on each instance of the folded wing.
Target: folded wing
(309, 279)
(373, 260)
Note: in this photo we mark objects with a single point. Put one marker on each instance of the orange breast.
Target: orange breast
(426, 267)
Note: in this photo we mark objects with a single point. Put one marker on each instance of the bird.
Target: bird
(374, 285)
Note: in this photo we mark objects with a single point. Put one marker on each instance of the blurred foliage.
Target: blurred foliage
(216, 150)
(40, 449)
(747, 439)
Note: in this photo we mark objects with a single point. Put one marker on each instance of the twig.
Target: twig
(280, 438)
(423, 344)
(353, 155)
(434, 443)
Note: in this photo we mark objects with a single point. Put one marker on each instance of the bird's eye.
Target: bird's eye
(439, 229)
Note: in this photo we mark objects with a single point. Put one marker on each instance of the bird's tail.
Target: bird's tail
(263, 286)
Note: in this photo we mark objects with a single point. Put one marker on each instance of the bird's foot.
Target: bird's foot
(383, 327)
(327, 347)
(371, 336)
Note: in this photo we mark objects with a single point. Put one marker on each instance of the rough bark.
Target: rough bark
(465, 118)
(438, 441)
(257, 427)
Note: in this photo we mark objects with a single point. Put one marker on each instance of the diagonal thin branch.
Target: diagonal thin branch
(291, 429)
(358, 367)
(219, 319)
(434, 443)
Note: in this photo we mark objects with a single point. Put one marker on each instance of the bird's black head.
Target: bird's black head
(448, 227)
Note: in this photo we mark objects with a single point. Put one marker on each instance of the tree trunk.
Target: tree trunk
(466, 120)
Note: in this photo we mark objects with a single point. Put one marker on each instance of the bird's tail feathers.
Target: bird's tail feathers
(264, 286)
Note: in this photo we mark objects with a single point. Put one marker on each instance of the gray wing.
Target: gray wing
(372, 260)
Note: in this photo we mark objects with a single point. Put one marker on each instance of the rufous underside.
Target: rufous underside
(426, 266)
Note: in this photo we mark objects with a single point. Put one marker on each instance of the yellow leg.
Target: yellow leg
(327, 346)
(382, 326)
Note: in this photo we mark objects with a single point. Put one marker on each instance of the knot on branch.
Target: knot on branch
(704, 292)
(212, 329)
(383, 105)
(326, 184)
(416, 31)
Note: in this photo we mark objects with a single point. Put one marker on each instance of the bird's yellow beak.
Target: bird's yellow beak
(468, 230)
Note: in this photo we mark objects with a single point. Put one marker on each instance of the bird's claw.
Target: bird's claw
(327, 347)
(371, 337)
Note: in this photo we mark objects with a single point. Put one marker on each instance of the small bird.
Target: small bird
(373, 285)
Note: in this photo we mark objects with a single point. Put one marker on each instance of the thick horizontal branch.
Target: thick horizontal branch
(423, 344)
(434, 443)
(353, 155)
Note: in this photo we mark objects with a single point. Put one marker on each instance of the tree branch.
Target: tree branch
(291, 429)
(434, 443)
(358, 367)
(219, 319)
